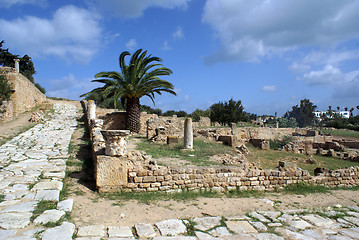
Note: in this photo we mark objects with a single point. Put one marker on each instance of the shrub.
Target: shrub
(279, 143)
(5, 89)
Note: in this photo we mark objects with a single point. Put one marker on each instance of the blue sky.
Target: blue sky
(268, 54)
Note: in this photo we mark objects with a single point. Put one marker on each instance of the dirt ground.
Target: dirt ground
(91, 209)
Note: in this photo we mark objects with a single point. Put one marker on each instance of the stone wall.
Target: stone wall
(138, 172)
(25, 96)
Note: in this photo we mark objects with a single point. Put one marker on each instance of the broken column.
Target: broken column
(115, 142)
(188, 134)
(91, 110)
(17, 67)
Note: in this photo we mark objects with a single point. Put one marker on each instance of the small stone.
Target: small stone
(63, 232)
(65, 205)
(259, 226)
(21, 207)
(52, 215)
(240, 227)
(268, 236)
(204, 236)
(48, 185)
(300, 224)
(14, 220)
(47, 195)
(352, 234)
(171, 227)
(220, 231)
(145, 230)
(317, 220)
(205, 223)
(94, 230)
(6, 233)
(123, 232)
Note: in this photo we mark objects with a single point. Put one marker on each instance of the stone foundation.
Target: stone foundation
(138, 172)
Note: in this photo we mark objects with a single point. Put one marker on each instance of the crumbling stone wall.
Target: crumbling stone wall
(25, 96)
(138, 172)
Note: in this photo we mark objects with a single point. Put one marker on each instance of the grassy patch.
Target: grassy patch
(200, 156)
(2, 197)
(341, 132)
(150, 197)
(245, 194)
(305, 189)
(41, 207)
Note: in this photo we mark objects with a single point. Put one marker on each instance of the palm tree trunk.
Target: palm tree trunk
(133, 114)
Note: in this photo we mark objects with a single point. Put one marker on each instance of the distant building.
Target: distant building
(343, 114)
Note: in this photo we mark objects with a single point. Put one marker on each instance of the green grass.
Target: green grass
(304, 189)
(341, 133)
(41, 207)
(2, 197)
(150, 197)
(201, 153)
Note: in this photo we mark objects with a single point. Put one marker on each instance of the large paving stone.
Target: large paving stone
(205, 223)
(174, 238)
(48, 185)
(295, 235)
(63, 232)
(300, 224)
(240, 227)
(21, 207)
(120, 232)
(268, 236)
(94, 230)
(66, 205)
(171, 227)
(14, 220)
(349, 233)
(271, 215)
(144, 230)
(258, 216)
(205, 236)
(47, 195)
(6, 233)
(259, 226)
(318, 220)
(352, 220)
(52, 215)
(220, 231)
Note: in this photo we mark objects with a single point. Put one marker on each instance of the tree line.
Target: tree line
(26, 66)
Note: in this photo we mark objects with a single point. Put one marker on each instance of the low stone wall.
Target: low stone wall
(25, 96)
(138, 172)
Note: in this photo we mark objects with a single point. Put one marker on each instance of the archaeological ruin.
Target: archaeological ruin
(119, 170)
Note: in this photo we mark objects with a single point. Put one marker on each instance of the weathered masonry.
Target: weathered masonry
(135, 171)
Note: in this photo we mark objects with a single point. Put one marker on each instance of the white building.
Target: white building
(343, 114)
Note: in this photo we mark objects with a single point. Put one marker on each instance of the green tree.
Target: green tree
(227, 112)
(141, 77)
(5, 88)
(287, 122)
(178, 113)
(196, 114)
(304, 113)
(150, 110)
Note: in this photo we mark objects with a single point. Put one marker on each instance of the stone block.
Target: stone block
(172, 140)
(111, 171)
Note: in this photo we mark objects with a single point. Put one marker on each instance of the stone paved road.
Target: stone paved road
(32, 168)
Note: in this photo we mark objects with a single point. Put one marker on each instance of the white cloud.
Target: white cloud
(345, 85)
(10, 3)
(249, 30)
(131, 45)
(134, 9)
(178, 34)
(72, 33)
(270, 88)
(166, 46)
(70, 87)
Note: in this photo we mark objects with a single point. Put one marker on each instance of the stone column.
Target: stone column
(233, 127)
(91, 110)
(188, 134)
(17, 67)
(115, 142)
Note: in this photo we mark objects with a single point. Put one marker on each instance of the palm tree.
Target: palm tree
(137, 79)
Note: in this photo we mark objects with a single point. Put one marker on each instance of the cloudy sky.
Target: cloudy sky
(268, 54)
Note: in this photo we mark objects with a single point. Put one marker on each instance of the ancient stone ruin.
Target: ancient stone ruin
(119, 169)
